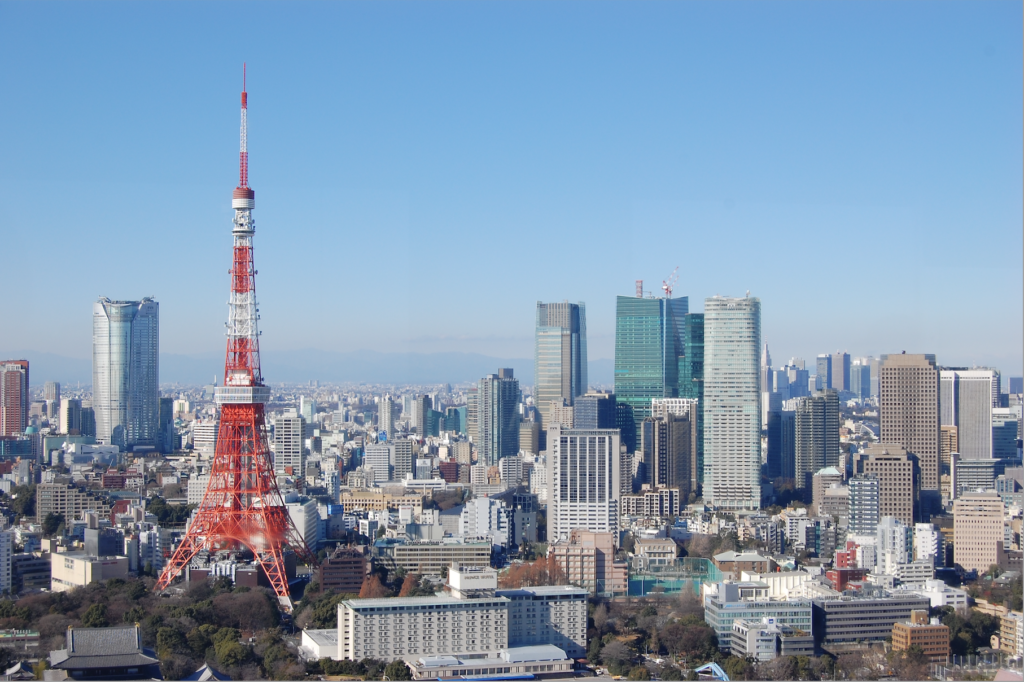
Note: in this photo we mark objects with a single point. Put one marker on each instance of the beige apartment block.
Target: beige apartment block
(978, 531)
(909, 410)
(896, 485)
(73, 569)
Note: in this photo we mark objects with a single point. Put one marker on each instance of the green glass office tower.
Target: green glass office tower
(648, 345)
(691, 377)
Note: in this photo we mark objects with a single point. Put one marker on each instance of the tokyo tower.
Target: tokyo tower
(242, 506)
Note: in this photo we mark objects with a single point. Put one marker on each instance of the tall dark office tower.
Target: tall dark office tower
(595, 411)
(668, 445)
(824, 370)
(14, 397)
(839, 364)
(498, 414)
(817, 435)
(560, 355)
(691, 378)
(909, 416)
(781, 444)
(126, 371)
(648, 340)
(165, 441)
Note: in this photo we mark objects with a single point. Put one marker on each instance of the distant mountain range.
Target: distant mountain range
(300, 366)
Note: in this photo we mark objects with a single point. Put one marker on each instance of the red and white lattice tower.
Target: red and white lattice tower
(242, 507)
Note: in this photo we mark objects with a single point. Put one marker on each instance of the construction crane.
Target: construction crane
(670, 283)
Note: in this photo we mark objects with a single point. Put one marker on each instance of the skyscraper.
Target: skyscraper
(289, 445)
(823, 366)
(909, 415)
(864, 504)
(860, 379)
(583, 481)
(420, 414)
(126, 371)
(386, 416)
(595, 410)
(897, 474)
(839, 368)
(70, 416)
(648, 352)
(497, 403)
(560, 355)
(14, 397)
(817, 435)
(781, 444)
(966, 402)
(732, 402)
(691, 378)
(51, 392)
(668, 443)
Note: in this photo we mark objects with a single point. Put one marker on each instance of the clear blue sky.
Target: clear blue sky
(425, 172)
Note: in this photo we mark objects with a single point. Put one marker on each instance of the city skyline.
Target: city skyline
(839, 155)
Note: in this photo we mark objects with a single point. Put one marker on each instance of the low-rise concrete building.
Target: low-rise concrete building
(931, 637)
(766, 639)
(725, 603)
(858, 620)
(529, 661)
(74, 569)
(731, 564)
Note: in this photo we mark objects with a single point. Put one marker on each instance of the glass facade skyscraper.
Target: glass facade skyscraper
(732, 402)
(126, 371)
(648, 346)
(497, 403)
(560, 355)
(691, 378)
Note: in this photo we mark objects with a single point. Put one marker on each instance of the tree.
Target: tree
(398, 670)
(409, 585)
(600, 617)
(169, 641)
(23, 500)
(639, 672)
(738, 668)
(372, 588)
(617, 657)
(52, 523)
(95, 616)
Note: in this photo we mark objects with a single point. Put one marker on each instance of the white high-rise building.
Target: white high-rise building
(929, 543)
(966, 399)
(381, 458)
(289, 445)
(732, 402)
(661, 408)
(386, 416)
(70, 415)
(583, 481)
(149, 550)
(485, 517)
(126, 371)
(895, 545)
(204, 436)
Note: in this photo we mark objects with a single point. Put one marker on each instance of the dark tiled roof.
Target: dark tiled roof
(117, 647)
